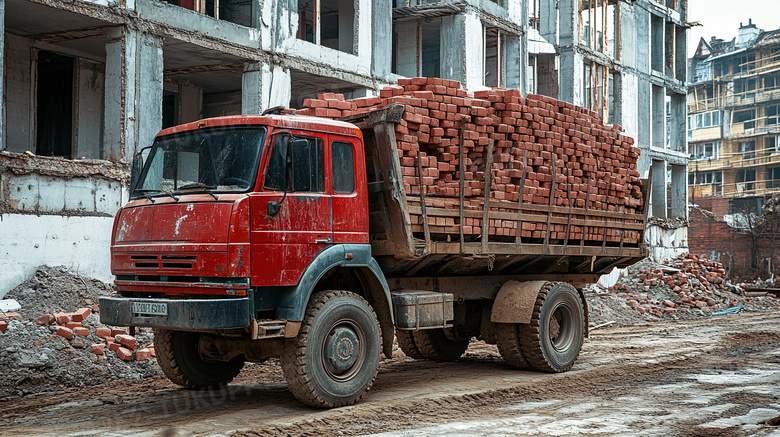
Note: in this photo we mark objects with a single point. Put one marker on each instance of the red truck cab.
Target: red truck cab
(233, 225)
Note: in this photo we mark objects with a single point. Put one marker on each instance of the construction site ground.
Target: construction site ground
(696, 377)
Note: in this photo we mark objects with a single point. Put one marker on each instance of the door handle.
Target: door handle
(323, 241)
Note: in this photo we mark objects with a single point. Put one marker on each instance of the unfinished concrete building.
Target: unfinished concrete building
(88, 83)
(734, 121)
(627, 61)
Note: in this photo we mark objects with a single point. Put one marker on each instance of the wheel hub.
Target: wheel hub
(341, 350)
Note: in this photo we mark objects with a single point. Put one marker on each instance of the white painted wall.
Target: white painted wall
(28, 241)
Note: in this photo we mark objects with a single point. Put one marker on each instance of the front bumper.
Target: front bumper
(183, 314)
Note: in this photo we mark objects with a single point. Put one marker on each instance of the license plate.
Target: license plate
(149, 308)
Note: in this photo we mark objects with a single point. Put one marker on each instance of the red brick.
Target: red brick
(3, 325)
(103, 332)
(81, 332)
(112, 345)
(61, 318)
(98, 349)
(11, 316)
(81, 314)
(127, 340)
(151, 348)
(46, 319)
(124, 354)
(65, 332)
(72, 325)
(669, 303)
(117, 331)
(143, 354)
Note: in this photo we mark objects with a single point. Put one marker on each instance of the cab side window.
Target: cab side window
(343, 167)
(296, 164)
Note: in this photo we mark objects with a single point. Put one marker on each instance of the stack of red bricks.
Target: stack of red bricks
(699, 283)
(541, 147)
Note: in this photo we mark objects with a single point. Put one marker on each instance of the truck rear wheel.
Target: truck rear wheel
(553, 339)
(178, 357)
(335, 358)
(407, 344)
(508, 342)
(436, 344)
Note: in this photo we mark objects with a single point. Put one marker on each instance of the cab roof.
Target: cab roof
(295, 122)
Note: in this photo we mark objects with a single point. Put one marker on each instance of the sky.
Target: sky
(721, 18)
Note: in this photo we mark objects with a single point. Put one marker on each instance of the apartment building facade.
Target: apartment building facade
(734, 118)
(88, 83)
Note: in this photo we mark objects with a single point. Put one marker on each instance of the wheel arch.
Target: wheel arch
(343, 266)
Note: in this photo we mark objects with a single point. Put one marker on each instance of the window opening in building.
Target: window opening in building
(748, 149)
(699, 151)
(533, 20)
(329, 23)
(704, 120)
(430, 48)
(747, 118)
(745, 88)
(168, 110)
(598, 21)
(745, 63)
(54, 105)
(773, 177)
(772, 115)
(493, 68)
(772, 144)
(745, 181)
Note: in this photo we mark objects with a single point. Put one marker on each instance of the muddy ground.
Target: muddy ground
(700, 377)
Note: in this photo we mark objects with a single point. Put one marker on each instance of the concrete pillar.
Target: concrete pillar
(679, 191)
(2, 75)
(568, 22)
(572, 77)
(462, 49)
(407, 53)
(658, 199)
(548, 21)
(133, 92)
(453, 39)
(381, 43)
(628, 35)
(642, 29)
(264, 86)
(515, 60)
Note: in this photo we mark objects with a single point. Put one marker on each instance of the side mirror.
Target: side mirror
(135, 173)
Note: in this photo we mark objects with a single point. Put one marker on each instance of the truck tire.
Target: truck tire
(508, 342)
(407, 344)
(553, 339)
(178, 357)
(335, 358)
(434, 344)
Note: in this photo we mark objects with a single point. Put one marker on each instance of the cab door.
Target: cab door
(292, 214)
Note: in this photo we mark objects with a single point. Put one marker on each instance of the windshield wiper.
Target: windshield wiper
(146, 194)
(170, 194)
(206, 188)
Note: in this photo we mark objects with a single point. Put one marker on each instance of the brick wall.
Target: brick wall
(709, 235)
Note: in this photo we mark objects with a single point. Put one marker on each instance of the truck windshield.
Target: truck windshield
(224, 159)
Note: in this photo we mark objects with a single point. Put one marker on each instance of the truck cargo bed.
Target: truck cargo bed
(418, 234)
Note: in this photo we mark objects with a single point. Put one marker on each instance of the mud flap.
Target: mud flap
(515, 302)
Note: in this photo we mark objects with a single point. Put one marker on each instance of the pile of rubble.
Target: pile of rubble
(55, 340)
(538, 150)
(687, 286)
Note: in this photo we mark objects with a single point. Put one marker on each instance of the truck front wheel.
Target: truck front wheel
(179, 358)
(553, 339)
(440, 345)
(335, 358)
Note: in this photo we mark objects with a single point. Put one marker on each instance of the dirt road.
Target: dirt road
(711, 376)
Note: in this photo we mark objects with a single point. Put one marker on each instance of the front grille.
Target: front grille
(164, 261)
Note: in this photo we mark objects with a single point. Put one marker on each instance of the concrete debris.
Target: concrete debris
(668, 223)
(55, 339)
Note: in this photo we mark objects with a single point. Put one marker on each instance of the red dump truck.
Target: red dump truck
(304, 238)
